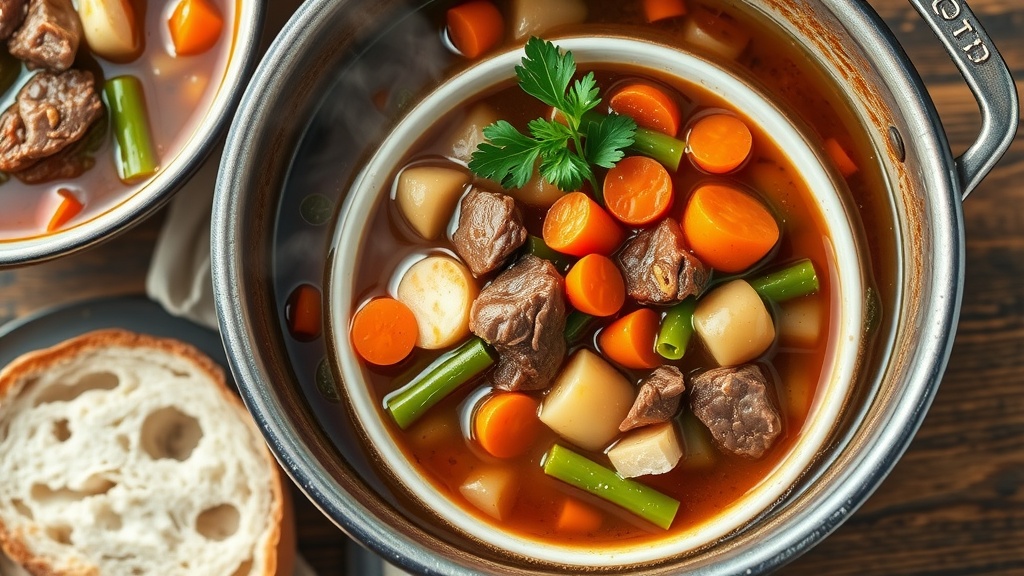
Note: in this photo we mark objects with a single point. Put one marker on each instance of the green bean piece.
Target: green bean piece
(10, 69)
(576, 324)
(537, 247)
(661, 147)
(576, 470)
(438, 381)
(676, 329)
(793, 281)
(127, 104)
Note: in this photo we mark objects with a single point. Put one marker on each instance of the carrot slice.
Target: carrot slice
(68, 208)
(577, 518)
(847, 167)
(475, 27)
(629, 341)
(638, 190)
(576, 225)
(195, 27)
(384, 331)
(594, 286)
(656, 10)
(506, 424)
(727, 229)
(719, 143)
(650, 106)
(303, 313)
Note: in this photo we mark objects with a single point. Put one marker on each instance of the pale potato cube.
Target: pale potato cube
(537, 191)
(536, 17)
(427, 195)
(653, 449)
(492, 490)
(439, 291)
(734, 323)
(588, 401)
(800, 322)
(469, 133)
(715, 32)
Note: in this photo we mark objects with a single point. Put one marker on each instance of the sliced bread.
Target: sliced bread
(125, 454)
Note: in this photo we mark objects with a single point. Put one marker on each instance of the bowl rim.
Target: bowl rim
(244, 166)
(154, 194)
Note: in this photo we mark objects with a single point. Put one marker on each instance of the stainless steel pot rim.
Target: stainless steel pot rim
(778, 543)
(156, 193)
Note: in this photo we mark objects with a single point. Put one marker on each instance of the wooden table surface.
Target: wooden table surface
(954, 504)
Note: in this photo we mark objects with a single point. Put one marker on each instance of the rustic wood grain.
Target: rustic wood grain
(954, 504)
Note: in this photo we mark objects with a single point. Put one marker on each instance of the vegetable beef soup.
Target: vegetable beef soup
(98, 95)
(596, 304)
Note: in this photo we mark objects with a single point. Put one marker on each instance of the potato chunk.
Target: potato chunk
(536, 17)
(440, 291)
(800, 322)
(492, 490)
(427, 196)
(587, 401)
(469, 133)
(734, 323)
(715, 32)
(652, 449)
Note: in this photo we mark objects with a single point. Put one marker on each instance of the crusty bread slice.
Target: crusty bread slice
(124, 454)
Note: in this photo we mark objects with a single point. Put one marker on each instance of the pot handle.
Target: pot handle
(989, 79)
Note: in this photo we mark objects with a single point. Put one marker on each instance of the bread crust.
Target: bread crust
(278, 545)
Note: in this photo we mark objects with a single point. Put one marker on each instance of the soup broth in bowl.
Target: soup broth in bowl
(611, 368)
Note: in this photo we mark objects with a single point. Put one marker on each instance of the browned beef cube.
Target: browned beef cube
(12, 13)
(490, 230)
(733, 403)
(657, 267)
(51, 112)
(49, 36)
(658, 398)
(522, 314)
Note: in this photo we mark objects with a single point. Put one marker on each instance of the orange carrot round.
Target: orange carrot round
(384, 331)
(656, 10)
(195, 27)
(650, 106)
(719, 143)
(629, 341)
(638, 190)
(475, 27)
(847, 167)
(506, 424)
(68, 208)
(727, 229)
(576, 225)
(594, 286)
(303, 313)
(575, 517)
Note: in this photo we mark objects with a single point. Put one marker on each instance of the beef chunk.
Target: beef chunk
(657, 267)
(51, 112)
(12, 13)
(733, 403)
(490, 229)
(658, 399)
(522, 314)
(49, 36)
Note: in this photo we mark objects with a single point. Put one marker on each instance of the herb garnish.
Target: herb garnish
(566, 151)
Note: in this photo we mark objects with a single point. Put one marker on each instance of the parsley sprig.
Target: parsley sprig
(566, 151)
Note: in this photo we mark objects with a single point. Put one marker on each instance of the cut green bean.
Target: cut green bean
(438, 381)
(794, 281)
(676, 329)
(661, 147)
(576, 324)
(585, 474)
(536, 246)
(137, 158)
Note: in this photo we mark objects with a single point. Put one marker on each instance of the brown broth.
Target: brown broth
(443, 450)
(178, 92)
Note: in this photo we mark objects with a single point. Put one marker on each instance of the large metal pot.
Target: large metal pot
(926, 187)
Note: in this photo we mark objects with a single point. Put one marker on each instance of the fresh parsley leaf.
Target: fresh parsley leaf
(566, 150)
(507, 157)
(605, 140)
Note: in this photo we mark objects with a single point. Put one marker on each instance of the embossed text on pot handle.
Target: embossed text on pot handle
(988, 77)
